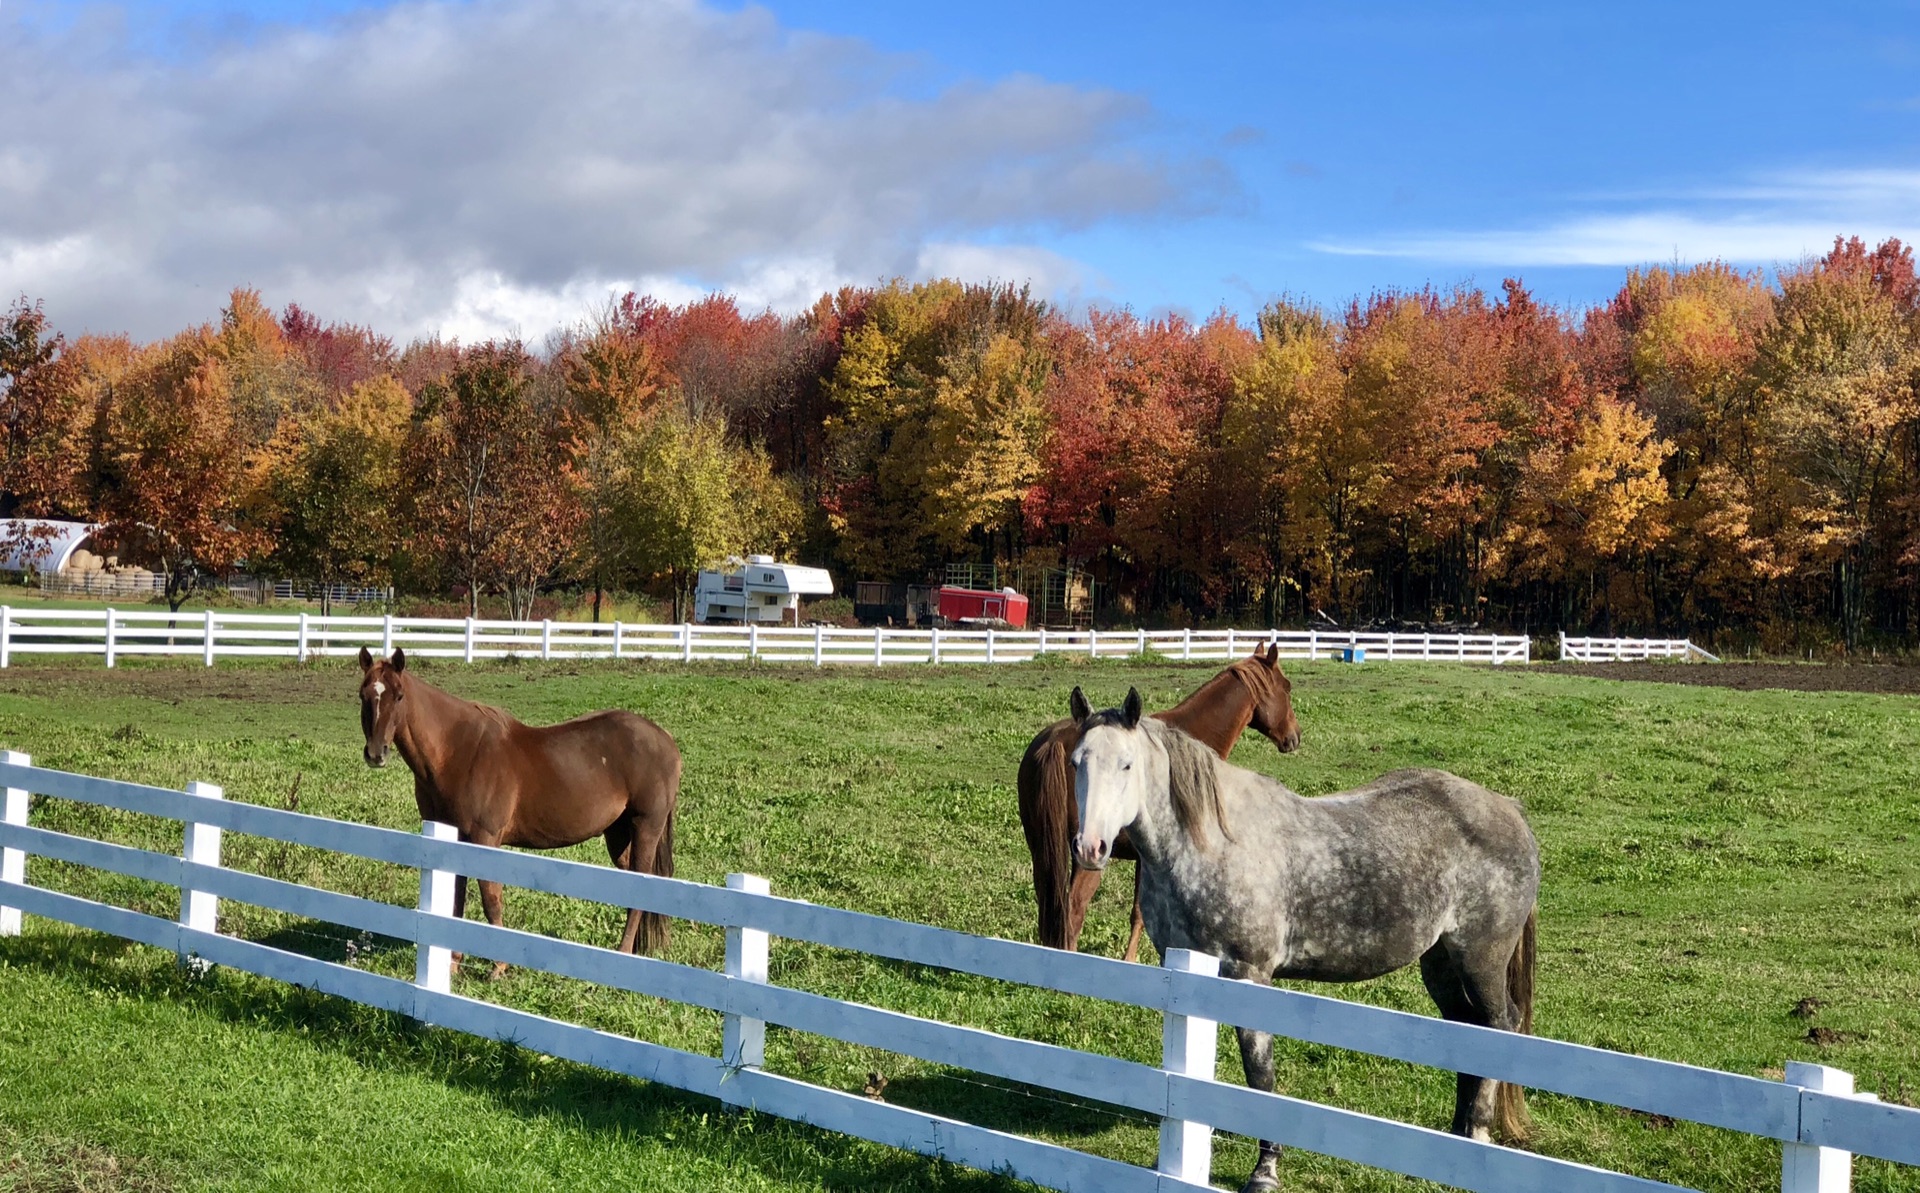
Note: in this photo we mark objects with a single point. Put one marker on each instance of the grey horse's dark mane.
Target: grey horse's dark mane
(1193, 780)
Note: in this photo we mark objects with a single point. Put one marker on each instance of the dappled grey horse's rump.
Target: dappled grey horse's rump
(1381, 873)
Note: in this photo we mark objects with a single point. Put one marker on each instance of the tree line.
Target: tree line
(1716, 450)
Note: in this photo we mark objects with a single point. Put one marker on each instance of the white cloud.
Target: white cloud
(1772, 219)
(1047, 271)
(500, 165)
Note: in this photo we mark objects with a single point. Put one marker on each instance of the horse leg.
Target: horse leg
(1256, 1059)
(619, 837)
(1463, 1000)
(459, 913)
(1079, 897)
(652, 854)
(1139, 921)
(490, 901)
(1485, 975)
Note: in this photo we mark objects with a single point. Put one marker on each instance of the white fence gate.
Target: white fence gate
(115, 634)
(1813, 1113)
(1622, 650)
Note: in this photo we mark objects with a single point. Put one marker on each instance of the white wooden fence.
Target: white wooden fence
(115, 634)
(1621, 650)
(1814, 1114)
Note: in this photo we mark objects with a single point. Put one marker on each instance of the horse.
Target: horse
(1418, 865)
(499, 782)
(1252, 692)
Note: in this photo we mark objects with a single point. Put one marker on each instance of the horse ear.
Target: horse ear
(1272, 659)
(1077, 706)
(399, 659)
(366, 659)
(1132, 710)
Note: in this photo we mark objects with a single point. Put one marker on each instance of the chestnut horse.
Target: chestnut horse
(499, 782)
(1253, 691)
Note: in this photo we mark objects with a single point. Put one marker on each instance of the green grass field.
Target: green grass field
(1712, 857)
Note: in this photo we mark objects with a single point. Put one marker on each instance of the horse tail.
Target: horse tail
(1047, 815)
(1510, 1103)
(654, 933)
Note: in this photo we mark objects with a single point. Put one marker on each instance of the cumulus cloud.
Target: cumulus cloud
(1771, 219)
(502, 165)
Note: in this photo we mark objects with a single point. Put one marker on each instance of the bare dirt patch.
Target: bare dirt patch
(1750, 677)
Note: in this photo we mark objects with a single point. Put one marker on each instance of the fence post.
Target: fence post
(1042, 648)
(1140, 647)
(989, 644)
(686, 642)
(206, 640)
(618, 629)
(386, 636)
(433, 963)
(743, 1041)
(753, 641)
(13, 862)
(6, 636)
(1232, 652)
(1186, 645)
(1805, 1168)
(1563, 646)
(933, 645)
(469, 651)
(1313, 645)
(546, 638)
(876, 646)
(819, 643)
(300, 648)
(199, 910)
(1093, 643)
(109, 636)
(1189, 1047)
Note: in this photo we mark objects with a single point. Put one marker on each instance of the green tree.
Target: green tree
(333, 489)
(694, 499)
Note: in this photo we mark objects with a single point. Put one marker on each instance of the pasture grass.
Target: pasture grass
(1712, 857)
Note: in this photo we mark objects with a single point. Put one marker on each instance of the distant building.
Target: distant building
(46, 545)
(761, 591)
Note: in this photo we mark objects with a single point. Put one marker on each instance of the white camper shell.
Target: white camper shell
(761, 591)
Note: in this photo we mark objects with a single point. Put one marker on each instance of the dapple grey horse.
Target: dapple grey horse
(1418, 865)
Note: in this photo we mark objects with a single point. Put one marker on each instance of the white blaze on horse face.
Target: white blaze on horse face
(1106, 791)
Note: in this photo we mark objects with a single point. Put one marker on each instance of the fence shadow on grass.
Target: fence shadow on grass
(526, 1084)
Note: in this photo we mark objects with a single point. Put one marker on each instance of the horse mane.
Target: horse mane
(1193, 781)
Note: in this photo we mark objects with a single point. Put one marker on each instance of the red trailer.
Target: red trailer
(976, 604)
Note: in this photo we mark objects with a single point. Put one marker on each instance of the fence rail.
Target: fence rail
(1813, 1114)
(212, 634)
(1622, 650)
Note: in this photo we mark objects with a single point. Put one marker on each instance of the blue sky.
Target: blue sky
(1167, 157)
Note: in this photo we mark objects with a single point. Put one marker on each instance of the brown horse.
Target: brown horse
(499, 782)
(1253, 691)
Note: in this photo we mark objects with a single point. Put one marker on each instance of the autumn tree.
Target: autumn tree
(1585, 512)
(333, 490)
(172, 466)
(1292, 496)
(613, 379)
(1836, 373)
(490, 477)
(44, 418)
(936, 425)
(337, 356)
